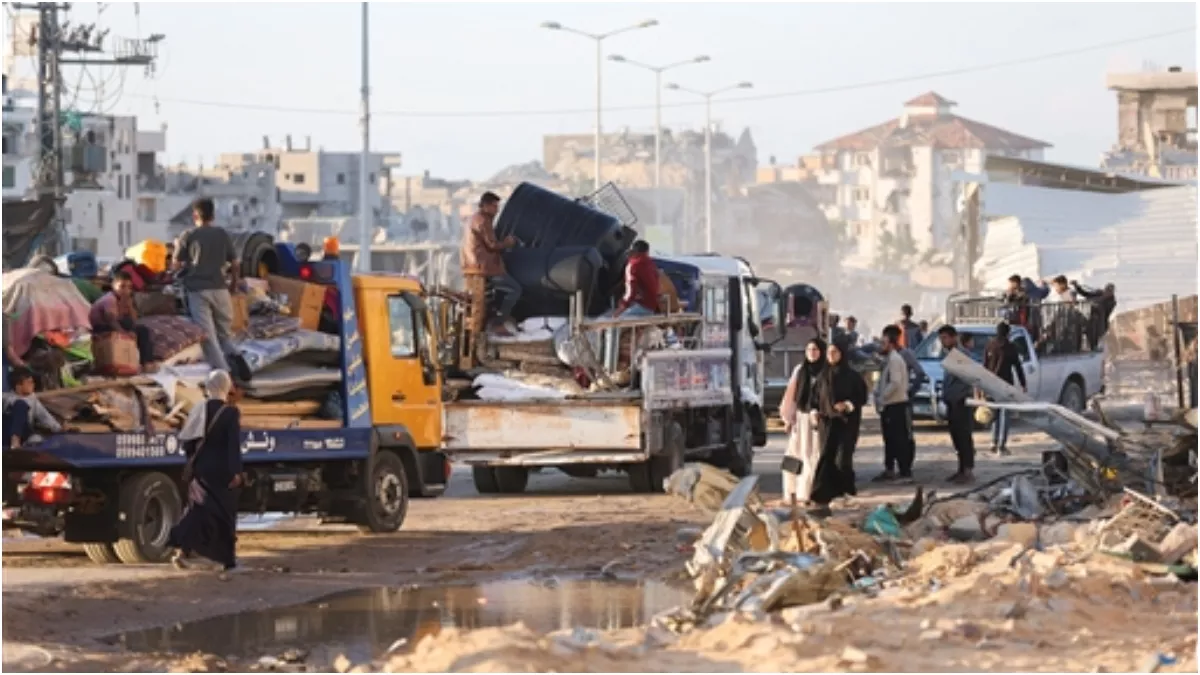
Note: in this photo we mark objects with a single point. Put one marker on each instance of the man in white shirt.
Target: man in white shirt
(891, 400)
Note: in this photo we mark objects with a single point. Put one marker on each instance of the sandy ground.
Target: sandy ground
(57, 605)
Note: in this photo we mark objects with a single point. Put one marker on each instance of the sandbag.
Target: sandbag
(549, 277)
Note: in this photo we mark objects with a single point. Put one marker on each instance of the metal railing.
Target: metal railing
(1056, 327)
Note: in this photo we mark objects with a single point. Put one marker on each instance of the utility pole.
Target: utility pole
(365, 214)
(52, 43)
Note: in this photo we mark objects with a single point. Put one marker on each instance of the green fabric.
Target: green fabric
(91, 292)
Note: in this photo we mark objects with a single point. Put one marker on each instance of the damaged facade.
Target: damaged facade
(1156, 124)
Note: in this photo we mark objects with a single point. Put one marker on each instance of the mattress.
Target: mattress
(171, 335)
(284, 378)
(261, 353)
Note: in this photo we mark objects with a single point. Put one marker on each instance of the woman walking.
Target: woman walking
(841, 394)
(797, 408)
(212, 440)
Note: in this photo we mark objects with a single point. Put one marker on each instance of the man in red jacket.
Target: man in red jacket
(641, 283)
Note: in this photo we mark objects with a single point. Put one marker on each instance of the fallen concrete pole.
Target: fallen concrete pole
(1095, 455)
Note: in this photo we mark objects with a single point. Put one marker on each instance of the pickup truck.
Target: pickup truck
(1069, 379)
(693, 403)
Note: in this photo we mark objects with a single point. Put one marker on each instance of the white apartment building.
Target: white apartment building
(316, 183)
(895, 177)
(20, 142)
(100, 212)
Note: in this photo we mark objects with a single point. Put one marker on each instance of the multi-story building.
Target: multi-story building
(891, 183)
(317, 183)
(100, 162)
(1156, 124)
(20, 142)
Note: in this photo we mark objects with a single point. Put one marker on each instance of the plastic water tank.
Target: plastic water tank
(550, 276)
(543, 219)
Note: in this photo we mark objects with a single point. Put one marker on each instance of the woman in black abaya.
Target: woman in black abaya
(841, 394)
(212, 439)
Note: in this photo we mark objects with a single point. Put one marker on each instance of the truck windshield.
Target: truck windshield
(931, 348)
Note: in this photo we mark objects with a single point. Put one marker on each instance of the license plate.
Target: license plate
(285, 486)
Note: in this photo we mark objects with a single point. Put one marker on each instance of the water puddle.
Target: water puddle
(364, 624)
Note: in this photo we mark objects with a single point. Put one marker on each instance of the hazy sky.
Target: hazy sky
(449, 59)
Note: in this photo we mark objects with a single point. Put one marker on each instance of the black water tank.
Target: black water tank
(550, 276)
(544, 219)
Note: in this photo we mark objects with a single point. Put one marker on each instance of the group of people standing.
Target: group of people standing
(822, 414)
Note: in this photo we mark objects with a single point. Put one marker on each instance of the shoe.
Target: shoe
(996, 450)
(886, 477)
(1003, 452)
(966, 478)
(179, 561)
(500, 330)
(820, 511)
(905, 479)
(954, 478)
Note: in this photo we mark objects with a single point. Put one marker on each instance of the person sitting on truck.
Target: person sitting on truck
(481, 255)
(212, 438)
(201, 256)
(1002, 359)
(23, 412)
(641, 283)
(891, 400)
(114, 313)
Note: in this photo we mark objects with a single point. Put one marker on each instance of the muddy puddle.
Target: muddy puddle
(367, 623)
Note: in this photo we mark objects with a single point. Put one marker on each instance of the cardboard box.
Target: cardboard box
(116, 354)
(241, 313)
(304, 300)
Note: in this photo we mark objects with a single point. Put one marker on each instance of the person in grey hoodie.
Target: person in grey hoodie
(891, 400)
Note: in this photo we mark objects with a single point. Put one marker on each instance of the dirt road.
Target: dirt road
(59, 608)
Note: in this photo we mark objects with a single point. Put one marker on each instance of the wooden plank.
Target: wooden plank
(252, 407)
(281, 422)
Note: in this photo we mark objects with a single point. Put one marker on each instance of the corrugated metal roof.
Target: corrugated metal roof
(1144, 242)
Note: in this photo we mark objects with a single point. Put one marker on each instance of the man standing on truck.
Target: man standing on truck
(891, 400)
(481, 255)
(641, 283)
(1001, 358)
(201, 255)
(955, 393)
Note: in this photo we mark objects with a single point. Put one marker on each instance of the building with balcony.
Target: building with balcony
(1156, 124)
(20, 142)
(891, 183)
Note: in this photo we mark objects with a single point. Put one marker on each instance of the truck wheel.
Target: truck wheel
(485, 480)
(150, 507)
(101, 554)
(386, 495)
(649, 476)
(511, 480)
(1072, 397)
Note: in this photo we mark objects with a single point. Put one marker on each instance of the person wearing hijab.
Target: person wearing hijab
(841, 394)
(799, 402)
(212, 440)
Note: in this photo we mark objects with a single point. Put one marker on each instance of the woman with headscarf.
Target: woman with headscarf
(212, 441)
(841, 394)
(799, 402)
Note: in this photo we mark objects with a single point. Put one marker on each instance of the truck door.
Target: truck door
(1030, 364)
(408, 390)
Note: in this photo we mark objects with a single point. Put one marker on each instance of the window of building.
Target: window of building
(402, 324)
(128, 186)
(860, 228)
(10, 177)
(952, 157)
(147, 209)
(341, 179)
(298, 179)
(862, 194)
(862, 159)
(6, 144)
(120, 188)
(370, 178)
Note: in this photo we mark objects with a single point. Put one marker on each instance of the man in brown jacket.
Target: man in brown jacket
(481, 255)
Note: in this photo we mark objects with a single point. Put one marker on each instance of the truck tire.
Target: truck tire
(741, 453)
(386, 495)
(101, 554)
(1072, 397)
(485, 480)
(150, 507)
(649, 476)
(511, 480)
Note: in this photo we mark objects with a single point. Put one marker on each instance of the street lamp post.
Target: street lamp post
(708, 191)
(599, 38)
(658, 71)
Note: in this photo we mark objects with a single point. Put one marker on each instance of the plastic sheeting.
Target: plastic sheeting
(36, 302)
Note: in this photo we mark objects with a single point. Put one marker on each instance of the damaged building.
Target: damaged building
(1156, 124)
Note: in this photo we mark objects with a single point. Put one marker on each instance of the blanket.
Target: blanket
(171, 335)
(37, 302)
(259, 354)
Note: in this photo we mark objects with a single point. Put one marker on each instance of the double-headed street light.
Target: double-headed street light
(658, 71)
(599, 38)
(708, 191)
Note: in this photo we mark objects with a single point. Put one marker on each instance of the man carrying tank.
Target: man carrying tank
(481, 255)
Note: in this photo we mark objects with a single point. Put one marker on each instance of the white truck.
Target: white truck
(692, 402)
(1069, 379)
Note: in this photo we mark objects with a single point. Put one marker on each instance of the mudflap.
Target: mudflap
(95, 513)
(758, 425)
